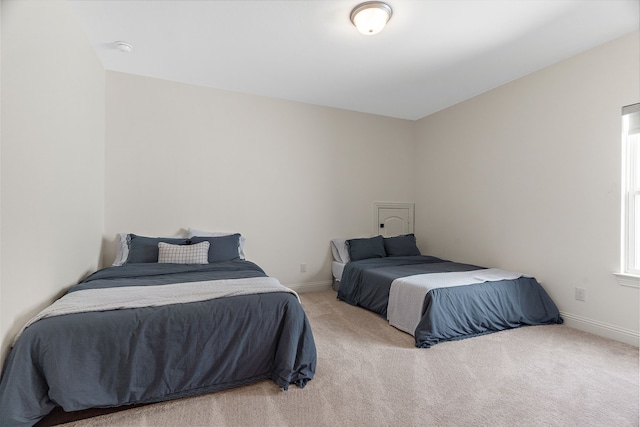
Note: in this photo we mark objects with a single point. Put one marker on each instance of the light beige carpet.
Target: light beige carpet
(370, 374)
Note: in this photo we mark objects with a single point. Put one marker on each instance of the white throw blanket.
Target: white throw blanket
(153, 296)
(407, 294)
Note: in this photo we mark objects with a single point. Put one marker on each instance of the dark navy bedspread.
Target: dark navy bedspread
(449, 313)
(152, 354)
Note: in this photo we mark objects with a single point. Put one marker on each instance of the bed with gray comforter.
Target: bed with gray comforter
(447, 312)
(170, 349)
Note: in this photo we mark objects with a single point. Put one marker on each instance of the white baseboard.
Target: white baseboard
(311, 286)
(602, 329)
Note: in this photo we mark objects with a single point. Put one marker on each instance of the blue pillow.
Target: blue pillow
(372, 247)
(401, 245)
(221, 248)
(145, 249)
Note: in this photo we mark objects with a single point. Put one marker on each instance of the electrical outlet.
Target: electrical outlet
(581, 294)
(303, 268)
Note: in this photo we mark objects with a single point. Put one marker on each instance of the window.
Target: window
(630, 239)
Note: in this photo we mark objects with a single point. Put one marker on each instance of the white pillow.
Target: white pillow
(340, 251)
(199, 233)
(122, 249)
(183, 254)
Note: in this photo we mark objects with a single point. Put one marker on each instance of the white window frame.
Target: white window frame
(630, 260)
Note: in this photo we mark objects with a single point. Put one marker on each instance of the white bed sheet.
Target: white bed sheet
(337, 268)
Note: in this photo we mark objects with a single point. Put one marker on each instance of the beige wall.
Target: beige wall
(288, 176)
(524, 177)
(52, 162)
(527, 177)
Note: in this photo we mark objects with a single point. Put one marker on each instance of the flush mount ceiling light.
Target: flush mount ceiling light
(123, 47)
(370, 17)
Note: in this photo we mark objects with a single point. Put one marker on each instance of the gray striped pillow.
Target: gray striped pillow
(183, 254)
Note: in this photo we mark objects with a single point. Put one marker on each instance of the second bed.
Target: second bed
(433, 299)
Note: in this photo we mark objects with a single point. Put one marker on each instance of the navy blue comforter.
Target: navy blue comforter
(449, 313)
(152, 354)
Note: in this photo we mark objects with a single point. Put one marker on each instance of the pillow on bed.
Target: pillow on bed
(401, 245)
(198, 233)
(340, 250)
(145, 249)
(372, 247)
(222, 248)
(183, 254)
(122, 249)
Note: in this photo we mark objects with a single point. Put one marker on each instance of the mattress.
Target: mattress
(448, 313)
(152, 353)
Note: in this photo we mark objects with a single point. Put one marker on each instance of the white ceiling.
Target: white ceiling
(432, 54)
